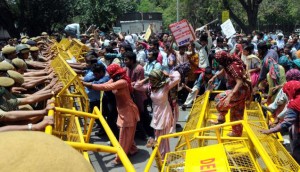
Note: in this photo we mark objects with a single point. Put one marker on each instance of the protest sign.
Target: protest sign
(228, 29)
(182, 32)
(148, 33)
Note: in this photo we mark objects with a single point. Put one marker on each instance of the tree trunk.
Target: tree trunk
(251, 8)
(252, 11)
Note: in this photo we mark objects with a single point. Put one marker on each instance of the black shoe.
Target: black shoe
(178, 126)
(183, 107)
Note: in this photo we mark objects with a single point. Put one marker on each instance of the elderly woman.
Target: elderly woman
(128, 113)
(275, 77)
(162, 121)
(291, 120)
(281, 98)
(240, 90)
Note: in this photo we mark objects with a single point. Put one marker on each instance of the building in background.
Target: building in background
(137, 22)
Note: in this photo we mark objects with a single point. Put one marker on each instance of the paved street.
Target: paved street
(101, 161)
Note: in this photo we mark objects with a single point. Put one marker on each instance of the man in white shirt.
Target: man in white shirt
(141, 56)
(206, 43)
(73, 30)
(181, 57)
(280, 41)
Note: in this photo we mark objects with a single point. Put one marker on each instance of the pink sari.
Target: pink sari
(254, 78)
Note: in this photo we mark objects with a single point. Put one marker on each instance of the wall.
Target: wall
(138, 26)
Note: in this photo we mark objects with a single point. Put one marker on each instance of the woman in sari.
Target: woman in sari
(239, 91)
(128, 113)
(291, 120)
(159, 86)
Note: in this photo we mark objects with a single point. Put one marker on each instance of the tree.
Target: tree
(7, 19)
(40, 15)
(103, 13)
(200, 12)
(251, 7)
(33, 17)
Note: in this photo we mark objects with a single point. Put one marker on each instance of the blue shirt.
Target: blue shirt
(201, 83)
(285, 62)
(150, 66)
(94, 95)
(89, 76)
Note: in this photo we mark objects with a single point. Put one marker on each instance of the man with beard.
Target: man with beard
(136, 73)
(181, 57)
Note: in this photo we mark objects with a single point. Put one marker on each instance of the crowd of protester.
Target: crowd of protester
(146, 82)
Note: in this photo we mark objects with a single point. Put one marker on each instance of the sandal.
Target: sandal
(115, 163)
(216, 122)
(150, 143)
(232, 134)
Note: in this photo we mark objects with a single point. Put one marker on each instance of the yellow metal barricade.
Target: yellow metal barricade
(256, 152)
(64, 44)
(72, 103)
(72, 86)
(194, 119)
(67, 128)
(76, 50)
(73, 93)
(204, 109)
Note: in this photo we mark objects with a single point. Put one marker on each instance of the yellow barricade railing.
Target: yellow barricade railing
(66, 119)
(203, 109)
(67, 128)
(76, 50)
(72, 86)
(64, 44)
(264, 149)
(195, 118)
(71, 49)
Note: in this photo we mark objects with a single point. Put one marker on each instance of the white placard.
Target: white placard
(182, 32)
(228, 29)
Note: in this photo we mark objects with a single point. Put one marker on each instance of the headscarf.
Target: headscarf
(297, 62)
(158, 79)
(240, 48)
(183, 69)
(292, 90)
(233, 66)
(116, 72)
(293, 74)
(273, 67)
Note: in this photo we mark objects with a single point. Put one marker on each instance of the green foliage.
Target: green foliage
(35, 16)
(103, 13)
(148, 6)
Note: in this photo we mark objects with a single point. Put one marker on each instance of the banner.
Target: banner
(228, 29)
(148, 33)
(182, 32)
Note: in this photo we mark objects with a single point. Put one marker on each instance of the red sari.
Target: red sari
(235, 69)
